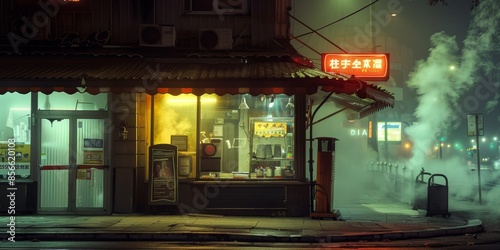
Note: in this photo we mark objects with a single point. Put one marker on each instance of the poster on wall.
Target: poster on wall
(93, 143)
(93, 157)
(163, 175)
(22, 159)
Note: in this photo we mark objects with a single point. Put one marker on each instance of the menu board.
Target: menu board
(163, 174)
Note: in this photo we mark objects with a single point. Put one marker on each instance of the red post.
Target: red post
(325, 172)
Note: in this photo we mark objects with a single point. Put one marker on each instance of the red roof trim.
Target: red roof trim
(199, 75)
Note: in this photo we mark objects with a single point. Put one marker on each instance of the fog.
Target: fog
(442, 93)
(439, 89)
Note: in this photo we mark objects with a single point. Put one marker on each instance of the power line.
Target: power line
(332, 23)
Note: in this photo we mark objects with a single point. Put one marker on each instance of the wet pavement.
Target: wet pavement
(367, 218)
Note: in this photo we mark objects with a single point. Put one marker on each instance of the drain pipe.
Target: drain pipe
(311, 161)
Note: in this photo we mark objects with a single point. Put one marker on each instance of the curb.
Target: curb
(472, 227)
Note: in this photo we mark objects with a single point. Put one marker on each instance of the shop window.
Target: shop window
(15, 134)
(247, 137)
(238, 136)
(175, 123)
(77, 101)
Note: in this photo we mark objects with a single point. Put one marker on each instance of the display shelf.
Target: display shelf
(273, 159)
(271, 145)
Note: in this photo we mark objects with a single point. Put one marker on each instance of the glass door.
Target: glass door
(55, 166)
(90, 164)
(72, 164)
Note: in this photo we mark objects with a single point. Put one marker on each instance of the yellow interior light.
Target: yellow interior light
(180, 100)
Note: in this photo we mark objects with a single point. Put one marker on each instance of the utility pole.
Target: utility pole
(475, 127)
(478, 161)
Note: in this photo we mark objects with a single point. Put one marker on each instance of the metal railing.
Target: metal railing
(393, 178)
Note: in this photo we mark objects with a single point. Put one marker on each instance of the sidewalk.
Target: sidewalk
(368, 219)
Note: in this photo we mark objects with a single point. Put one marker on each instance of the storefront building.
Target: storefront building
(82, 114)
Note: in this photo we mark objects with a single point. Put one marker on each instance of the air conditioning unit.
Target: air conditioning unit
(216, 39)
(157, 35)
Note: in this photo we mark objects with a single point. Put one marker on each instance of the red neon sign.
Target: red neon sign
(372, 67)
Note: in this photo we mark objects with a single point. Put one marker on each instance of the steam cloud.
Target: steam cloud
(439, 88)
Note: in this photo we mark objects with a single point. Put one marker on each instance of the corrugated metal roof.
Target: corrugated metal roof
(119, 68)
(229, 73)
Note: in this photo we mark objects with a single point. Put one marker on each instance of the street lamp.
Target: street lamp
(381, 23)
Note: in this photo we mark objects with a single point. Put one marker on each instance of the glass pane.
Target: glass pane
(54, 159)
(90, 163)
(176, 116)
(227, 125)
(77, 101)
(15, 123)
(272, 147)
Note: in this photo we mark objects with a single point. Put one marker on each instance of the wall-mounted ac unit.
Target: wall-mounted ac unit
(216, 39)
(157, 35)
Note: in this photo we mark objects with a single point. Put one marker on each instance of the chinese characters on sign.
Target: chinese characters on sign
(270, 129)
(373, 67)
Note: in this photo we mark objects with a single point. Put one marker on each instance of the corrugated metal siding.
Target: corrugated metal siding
(263, 23)
(257, 29)
(282, 19)
(54, 171)
(55, 141)
(55, 152)
(54, 188)
(89, 192)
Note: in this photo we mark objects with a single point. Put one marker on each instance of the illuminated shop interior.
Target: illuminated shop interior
(229, 136)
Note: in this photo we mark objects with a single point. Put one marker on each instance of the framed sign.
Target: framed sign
(181, 141)
(93, 157)
(475, 125)
(270, 129)
(93, 143)
(163, 175)
(364, 66)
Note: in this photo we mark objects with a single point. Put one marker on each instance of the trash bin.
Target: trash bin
(437, 196)
(420, 194)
